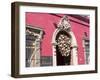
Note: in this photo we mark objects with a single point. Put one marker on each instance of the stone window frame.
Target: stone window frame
(37, 47)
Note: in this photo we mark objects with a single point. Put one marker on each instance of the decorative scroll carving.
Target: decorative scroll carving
(64, 24)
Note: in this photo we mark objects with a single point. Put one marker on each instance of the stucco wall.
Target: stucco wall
(46, 22)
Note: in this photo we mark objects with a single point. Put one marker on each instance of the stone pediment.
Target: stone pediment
(64, 24)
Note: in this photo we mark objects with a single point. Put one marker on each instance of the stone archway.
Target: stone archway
(65, 26)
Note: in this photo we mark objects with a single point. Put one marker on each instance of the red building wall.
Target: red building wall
(47, 22)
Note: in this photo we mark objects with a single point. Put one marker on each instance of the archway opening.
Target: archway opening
(63, 48)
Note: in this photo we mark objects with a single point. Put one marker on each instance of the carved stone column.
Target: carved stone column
(74, 55)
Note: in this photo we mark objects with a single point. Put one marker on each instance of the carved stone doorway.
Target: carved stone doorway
(62, 57)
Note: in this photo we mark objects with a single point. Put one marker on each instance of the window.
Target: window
(86, 48)
(33, 38)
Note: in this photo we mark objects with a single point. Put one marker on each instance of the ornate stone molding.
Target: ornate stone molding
(64, 24)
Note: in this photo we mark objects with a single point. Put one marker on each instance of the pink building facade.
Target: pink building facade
(48, 23)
